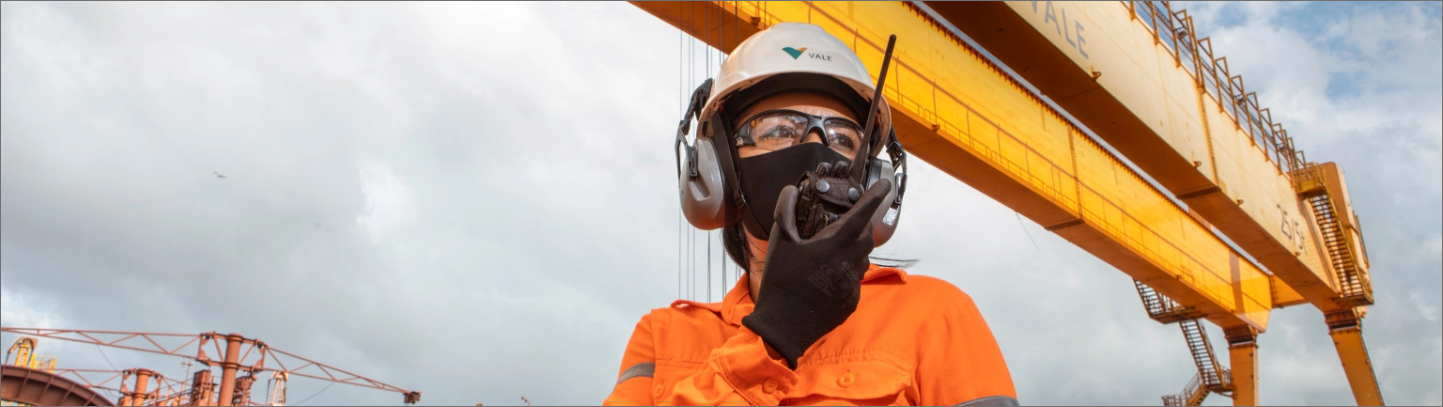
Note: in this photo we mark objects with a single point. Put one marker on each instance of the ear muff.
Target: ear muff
(703, 193)
(708, 196)
(884, 222)
(881, 232)
(699, 176)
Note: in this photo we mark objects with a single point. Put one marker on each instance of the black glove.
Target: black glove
(809, 287)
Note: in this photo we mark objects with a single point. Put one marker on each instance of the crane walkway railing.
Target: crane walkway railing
(1174, 30)
(1192, 394)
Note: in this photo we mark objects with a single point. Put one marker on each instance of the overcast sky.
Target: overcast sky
(478, 200)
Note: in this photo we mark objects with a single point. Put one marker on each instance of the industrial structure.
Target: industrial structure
(30, 379)
(1112, 125)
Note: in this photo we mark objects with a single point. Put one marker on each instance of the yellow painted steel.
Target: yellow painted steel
(1135, 73)
(23, 350)
(1138, 91)
(1357, 366)
(960, 113)
(1283, 295)
(1243, 359)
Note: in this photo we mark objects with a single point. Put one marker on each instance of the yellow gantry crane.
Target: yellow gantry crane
(1137, 77)
(22, 353)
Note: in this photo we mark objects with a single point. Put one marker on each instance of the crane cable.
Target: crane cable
(691, 235)
(323, 390)
(722, 239)
(688, 271)
(681, 90)
(736, 24)
(706, 30)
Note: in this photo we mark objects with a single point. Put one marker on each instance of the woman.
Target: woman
(812, 321)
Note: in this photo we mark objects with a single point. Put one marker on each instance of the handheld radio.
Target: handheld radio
(831, 190)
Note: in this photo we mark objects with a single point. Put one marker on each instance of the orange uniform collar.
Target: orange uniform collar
(738, 302)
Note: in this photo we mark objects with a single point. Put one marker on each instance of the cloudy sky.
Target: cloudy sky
(478, 200)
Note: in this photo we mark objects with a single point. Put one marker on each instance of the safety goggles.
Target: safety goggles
(781, 128)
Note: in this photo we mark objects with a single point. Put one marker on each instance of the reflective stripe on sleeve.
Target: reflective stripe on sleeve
(642, 370)
(991, 401)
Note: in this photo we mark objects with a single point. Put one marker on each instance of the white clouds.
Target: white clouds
(1428, 310)
(18, 312)
(388, 201)
(1403, 32)
(495, 196)
(1357, 84)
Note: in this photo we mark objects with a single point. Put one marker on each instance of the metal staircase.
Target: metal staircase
(1192, 395)
(1161, 308)
(1350, 283)
(1353, 287)
(1202, 355)
(1211, 376)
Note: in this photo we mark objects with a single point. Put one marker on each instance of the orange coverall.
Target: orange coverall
(913, 340)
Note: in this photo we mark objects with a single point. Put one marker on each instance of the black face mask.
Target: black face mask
(764, 176)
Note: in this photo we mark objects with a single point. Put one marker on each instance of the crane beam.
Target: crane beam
(1136, 74)
(956, 110)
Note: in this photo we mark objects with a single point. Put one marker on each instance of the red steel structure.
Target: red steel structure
(134, 386)
(237, 355)
(37, 387)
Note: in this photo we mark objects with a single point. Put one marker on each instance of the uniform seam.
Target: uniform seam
(866, 355)
(688, 363)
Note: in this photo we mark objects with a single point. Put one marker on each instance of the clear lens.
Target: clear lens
(781, 129)
(844, 136)
(778, 130)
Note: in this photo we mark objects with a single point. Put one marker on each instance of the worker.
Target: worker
(812, 321)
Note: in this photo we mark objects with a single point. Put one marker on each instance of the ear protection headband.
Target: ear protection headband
(710, 186)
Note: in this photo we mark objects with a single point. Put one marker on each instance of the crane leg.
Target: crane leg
(1243, 356)
(1347, 333)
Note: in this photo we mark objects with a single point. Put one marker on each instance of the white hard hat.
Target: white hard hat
(795, 48)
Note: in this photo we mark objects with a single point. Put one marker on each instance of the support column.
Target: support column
(228, 368)
(1347, 331)
(1243, 358)
(138, 396)
(142, 380)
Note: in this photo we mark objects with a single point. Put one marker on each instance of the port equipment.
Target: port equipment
(241, 360)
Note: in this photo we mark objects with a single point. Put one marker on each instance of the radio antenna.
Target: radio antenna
(858, 166)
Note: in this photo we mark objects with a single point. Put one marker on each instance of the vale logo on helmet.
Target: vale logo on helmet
(797, 53)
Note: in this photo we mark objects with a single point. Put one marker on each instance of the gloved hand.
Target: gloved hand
(809, 287)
